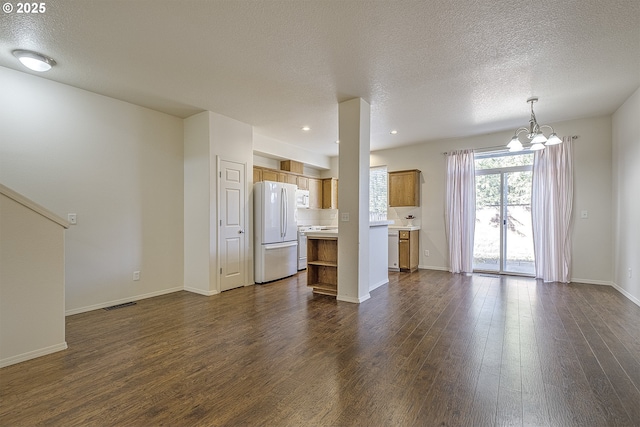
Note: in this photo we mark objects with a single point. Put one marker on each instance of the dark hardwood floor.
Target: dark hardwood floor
(430, 348)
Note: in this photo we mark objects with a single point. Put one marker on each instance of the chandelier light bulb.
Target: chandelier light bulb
(553, 139)
(539, 139)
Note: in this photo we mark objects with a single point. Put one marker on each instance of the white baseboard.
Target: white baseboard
(377, 285)
(32, 354)
(352, 299)
(624, 292)
(122, 301)
(591, 282)
(201, 291)
(432, 267)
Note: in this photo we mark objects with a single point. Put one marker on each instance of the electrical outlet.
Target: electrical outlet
(344, 217)
(426, 252)
(72, 218)
(136, 276)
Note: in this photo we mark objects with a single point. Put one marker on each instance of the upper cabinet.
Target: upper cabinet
(315, 193)
(323, 193)
(303, 182)
(330, 193)
(269, 175)
(257, 174)
(404, 188)
(292, 166)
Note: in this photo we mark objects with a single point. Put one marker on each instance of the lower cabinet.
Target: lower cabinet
(408, 250)
(322, 265)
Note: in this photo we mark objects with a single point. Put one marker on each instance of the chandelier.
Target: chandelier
(535, 135)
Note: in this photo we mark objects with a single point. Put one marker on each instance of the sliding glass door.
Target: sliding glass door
(503, 236)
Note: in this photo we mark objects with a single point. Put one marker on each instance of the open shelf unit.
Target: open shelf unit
(322, 265)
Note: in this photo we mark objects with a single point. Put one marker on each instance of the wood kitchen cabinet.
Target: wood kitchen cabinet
(314, 185)
(287, 178)
(315, 193)
(322, 265)
(404, 188)
(292, 166)
(408, 250)
(303, 182)
(257, 175)
(330, 193)
(269, 175)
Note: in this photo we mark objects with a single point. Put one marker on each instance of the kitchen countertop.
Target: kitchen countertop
(404, 227)
(334, 232)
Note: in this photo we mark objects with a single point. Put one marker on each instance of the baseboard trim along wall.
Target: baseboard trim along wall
(432, 267)
(377, 285)
(200, 291)
(122, 301)
(354, 300)
(633, 299)
(32, 354)
(590, 282)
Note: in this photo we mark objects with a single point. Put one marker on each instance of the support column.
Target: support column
(353, 200)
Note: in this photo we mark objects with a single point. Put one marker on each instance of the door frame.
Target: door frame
(502, 171)
(217, 268)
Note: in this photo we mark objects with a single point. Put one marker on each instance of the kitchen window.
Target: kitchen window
(378, 192)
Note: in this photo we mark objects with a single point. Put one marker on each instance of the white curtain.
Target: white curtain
(460, 210)
(551, 204)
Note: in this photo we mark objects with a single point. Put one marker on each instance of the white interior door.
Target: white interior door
(232, 237)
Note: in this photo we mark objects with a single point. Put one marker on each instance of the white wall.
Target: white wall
(32, 320)
(592, 242)
(197, 205)
(273, 148)
(626, 200)
(117, 165)
(208, 137)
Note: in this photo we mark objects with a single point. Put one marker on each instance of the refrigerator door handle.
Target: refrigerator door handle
(286, 211)
(282, 212)
(280, 245)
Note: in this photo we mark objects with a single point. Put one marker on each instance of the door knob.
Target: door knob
(240, 231)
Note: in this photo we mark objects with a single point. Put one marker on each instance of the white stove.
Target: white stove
(302, 244)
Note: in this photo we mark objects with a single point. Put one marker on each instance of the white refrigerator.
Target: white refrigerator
(275, 231)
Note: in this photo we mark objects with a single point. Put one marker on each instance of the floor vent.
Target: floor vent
(126, 304)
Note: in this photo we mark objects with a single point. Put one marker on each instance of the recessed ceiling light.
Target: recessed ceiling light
(306, 128)
(337, 141)
(394, 132)
(33, 60)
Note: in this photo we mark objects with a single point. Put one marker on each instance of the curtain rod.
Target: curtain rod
(495, 147)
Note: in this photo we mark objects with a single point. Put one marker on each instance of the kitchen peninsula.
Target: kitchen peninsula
(322, 258)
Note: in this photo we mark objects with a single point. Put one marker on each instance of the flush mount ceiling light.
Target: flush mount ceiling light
(306, 128)
(33, 60)
(394, 132)
(535, 135)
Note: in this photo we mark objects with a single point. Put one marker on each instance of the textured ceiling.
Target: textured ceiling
(430, 69)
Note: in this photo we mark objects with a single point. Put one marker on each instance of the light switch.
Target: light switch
(584, 214)
(72, 218)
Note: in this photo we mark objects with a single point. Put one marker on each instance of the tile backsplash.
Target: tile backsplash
(398, 215)
(325, 217)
